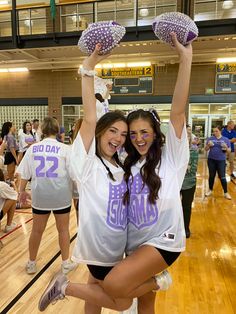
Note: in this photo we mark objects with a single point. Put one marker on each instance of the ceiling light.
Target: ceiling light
(119, 65)
(225, 60)
(18, 70)
(28, 23)
(227, 4)
(3, 70)
(138, 64)
(2, 2)
(143, 12)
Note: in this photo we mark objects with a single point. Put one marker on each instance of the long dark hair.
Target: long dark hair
(153, 158)
(103, 124)
(24, 127)
(6, 128)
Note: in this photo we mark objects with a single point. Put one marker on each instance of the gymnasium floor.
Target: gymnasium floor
(204, 277)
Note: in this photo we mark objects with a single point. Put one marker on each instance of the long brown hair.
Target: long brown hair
(103, 124)
(153, 158)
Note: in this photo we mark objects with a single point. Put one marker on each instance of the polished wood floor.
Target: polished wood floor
(204, 277)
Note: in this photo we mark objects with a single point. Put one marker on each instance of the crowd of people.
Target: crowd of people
(133, 215)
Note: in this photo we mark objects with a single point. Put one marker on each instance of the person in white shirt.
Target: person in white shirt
(8, 198)
(102, 232)
(26, 139)
(36, 130)
(46, 163)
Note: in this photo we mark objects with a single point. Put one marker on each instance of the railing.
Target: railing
(76, 16)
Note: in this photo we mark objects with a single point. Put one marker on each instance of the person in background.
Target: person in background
(2, 149)
(218, 146)
(61, 134)
(189, 184)
(102, 89)
(230, 133)
(8, 134)
(26, 139)
(8, 199)
(47, 165)
(36, 130)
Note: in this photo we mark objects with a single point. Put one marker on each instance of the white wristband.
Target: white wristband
(85, 72)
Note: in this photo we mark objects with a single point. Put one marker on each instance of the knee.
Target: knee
(115, 287)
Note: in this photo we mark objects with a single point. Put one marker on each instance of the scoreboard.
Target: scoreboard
(130, 80)
(225, 78)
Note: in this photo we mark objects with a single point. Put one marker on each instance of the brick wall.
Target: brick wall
(57, 84)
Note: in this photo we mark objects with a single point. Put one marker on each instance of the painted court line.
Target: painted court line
(29, 285)
(16, 228)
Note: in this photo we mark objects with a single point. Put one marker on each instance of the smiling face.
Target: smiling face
(216, 132)
(141, 135)
(112, 139)
(28, 127)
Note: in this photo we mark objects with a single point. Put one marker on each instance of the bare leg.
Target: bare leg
(90, 308)
(9, 209)
(146, 303)
(132, 277)
(39, 225)
(95, 294)
(11, 170)
(62, 223)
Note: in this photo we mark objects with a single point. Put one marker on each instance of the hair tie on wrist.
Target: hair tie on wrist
(85, 72)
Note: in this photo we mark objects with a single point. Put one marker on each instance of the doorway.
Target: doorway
(202, 125)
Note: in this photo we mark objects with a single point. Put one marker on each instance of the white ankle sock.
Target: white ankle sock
(64, 286)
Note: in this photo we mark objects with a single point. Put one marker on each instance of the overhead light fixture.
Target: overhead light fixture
(143, 12)
(28, 23)
(122, 65)
(2, 2)
(138, 64)
(18, 70)
(227, 4)
(3, 70)
(225, 60)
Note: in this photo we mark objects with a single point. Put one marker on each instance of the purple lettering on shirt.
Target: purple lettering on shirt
(141, 213)
(116, 210)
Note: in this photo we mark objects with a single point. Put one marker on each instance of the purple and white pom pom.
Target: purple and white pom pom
(107, 33)
(181, 24)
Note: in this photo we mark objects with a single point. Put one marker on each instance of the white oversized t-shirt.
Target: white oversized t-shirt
(24, 141)
(46, 163)
(102, 232)
(6, 193)
(160, 224)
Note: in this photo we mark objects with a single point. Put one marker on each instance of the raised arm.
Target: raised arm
(181, 91)
(88, 126)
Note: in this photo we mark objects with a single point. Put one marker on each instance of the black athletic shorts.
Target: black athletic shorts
(55, 211)
(168, 256)
(9, 158)
(1, 215)
(99, 272)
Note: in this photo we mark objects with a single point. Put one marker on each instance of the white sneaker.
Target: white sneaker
(227, 196)
(12, 226)
(163, 280)
(31, 268)
(68, 266)
(208, 193)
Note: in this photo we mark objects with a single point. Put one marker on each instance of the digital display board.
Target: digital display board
(225, 78)
(130, 80)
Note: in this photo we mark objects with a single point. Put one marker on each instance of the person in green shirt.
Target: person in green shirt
(189, 184)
